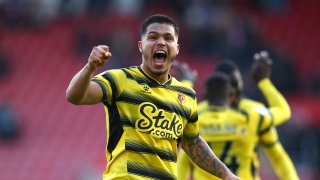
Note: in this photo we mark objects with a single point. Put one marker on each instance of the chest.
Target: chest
(158, 111)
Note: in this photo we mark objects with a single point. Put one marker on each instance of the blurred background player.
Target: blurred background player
(230, 132)
(278, 109)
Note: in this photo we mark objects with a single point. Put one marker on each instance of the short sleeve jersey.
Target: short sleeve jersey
(145, 121)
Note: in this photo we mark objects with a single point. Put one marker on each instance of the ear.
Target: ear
(178, 48)
(140, 46)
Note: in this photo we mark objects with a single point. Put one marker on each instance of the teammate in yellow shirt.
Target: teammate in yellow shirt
(278, 109)
(148, 112)
(231, 133)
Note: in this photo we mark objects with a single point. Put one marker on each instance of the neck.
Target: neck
(219, 103)
(161, 77)
(217, 108)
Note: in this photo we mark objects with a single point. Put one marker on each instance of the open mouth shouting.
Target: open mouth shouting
(159, 57)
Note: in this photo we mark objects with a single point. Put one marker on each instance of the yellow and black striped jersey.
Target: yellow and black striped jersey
(145, 120)
(232, 134)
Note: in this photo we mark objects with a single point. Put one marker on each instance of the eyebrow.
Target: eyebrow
(158, 33)
(155, 32)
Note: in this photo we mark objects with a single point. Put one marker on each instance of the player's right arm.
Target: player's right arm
(81, 89)
(200, 153)
(261, 72)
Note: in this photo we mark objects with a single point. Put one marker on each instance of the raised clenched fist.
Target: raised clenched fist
(99, 56)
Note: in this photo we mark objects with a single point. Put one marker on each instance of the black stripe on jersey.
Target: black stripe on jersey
(226, 149)
(144, 148)
(193, 118)
(115, 128)
(191, 137)
(146, 170)
(128, 75)
(104, 91)
(262, 131)
(140, 80)
(133, 98)
(253, 166)
(154, 84)
(187, 91)
(126, 121)
(260, 123)
(243, 112)
(113, 84)
(270, 144)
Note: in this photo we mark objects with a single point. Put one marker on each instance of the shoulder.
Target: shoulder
(259, 117)
(113, 74)
(249, 103)
(242, 114)
(182, 88)
(253, 106)
(177, 83)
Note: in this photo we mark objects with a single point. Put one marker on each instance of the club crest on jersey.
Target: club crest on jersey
(181, 98)
(146, 89)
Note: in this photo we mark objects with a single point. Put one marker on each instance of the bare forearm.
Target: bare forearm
(79, 85)
(199, 151)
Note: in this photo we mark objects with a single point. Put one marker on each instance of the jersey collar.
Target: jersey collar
(153, 81)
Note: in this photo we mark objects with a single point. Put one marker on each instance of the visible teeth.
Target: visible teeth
(160, 51)
(160, 54)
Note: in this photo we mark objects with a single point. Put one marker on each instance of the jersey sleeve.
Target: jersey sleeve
(269, 138)
(265, 120)
(278, 106)
(278, 157)
(111, 83)
(187, 83)
(191, 129)
(281, 162)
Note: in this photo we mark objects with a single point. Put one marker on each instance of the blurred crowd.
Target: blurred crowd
(210, 28)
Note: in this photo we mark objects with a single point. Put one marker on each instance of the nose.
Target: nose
(161, 41)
